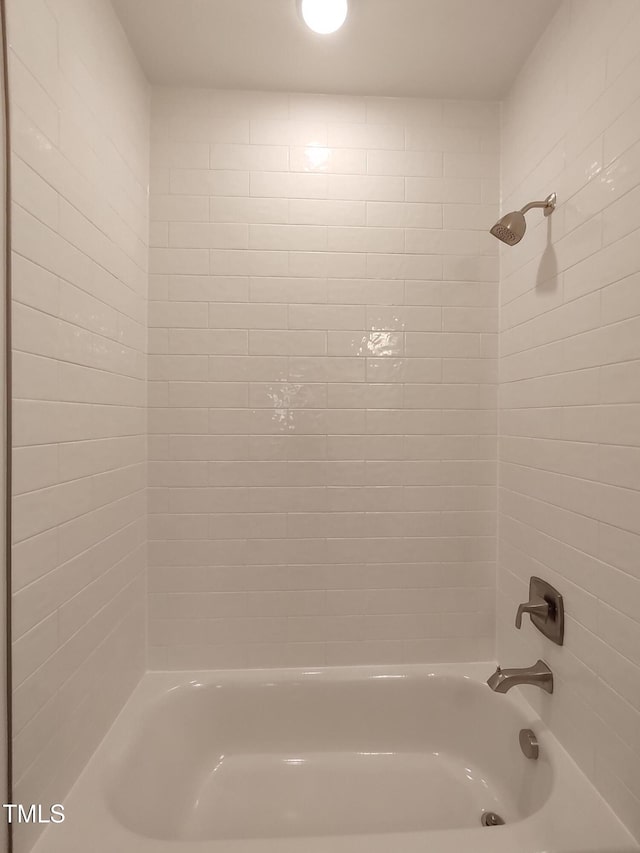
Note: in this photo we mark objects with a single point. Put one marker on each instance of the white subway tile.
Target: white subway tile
(568, 466)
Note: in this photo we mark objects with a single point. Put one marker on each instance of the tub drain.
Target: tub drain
(491, 819)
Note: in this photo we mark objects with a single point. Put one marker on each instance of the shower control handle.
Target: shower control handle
(546, 609)
(540, 607)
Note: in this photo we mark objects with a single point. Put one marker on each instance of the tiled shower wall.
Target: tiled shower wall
(323, 323)
(80, 130)
(570, 384)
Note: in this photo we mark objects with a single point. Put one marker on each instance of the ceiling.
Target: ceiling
(427, 48)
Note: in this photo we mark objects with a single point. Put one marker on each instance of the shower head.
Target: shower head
(511, 227)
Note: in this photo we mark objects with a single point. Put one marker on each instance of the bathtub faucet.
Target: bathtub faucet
(539, 675)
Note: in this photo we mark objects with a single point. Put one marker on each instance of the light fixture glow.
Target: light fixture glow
(317, 157)
(324, 16)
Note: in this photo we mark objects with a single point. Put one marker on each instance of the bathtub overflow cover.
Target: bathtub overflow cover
(491, 819)
(529, 744)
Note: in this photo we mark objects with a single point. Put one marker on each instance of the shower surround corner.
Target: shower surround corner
(301, 336)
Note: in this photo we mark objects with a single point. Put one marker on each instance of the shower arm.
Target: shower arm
(531, 205)
(548, 205)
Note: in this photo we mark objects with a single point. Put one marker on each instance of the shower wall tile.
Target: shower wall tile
(80, 158)
(322, 379)
(569, 481)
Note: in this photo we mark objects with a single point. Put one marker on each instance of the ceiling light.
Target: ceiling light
(324, 16)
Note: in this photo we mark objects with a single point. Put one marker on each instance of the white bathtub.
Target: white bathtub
(375, 759)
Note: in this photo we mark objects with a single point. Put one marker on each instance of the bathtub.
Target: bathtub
(377, 759)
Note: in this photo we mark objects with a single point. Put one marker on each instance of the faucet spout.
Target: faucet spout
(538, 675)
